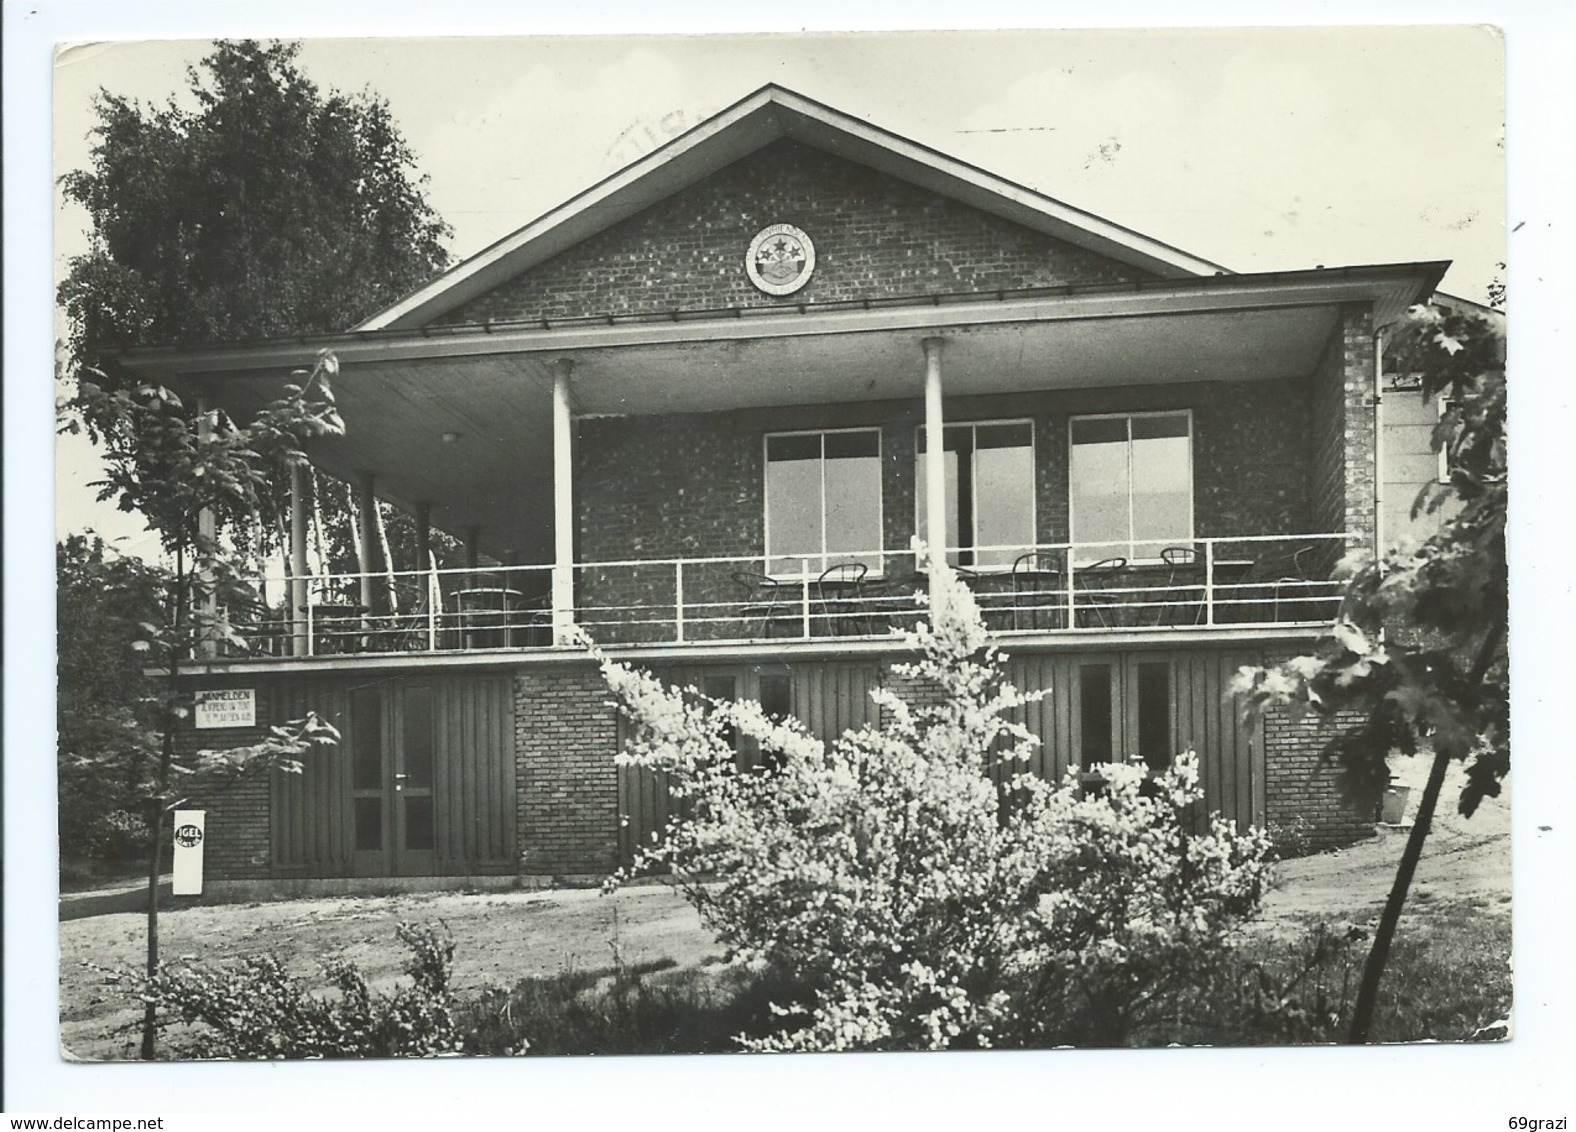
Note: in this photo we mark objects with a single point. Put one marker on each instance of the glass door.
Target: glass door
(392, 740)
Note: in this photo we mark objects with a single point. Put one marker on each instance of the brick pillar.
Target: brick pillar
(566, 734)
(1299, 785)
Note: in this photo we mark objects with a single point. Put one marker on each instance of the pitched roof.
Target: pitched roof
(773, 112)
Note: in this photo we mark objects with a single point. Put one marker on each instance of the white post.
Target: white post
(207, 533)
(563, 505)
(935, 467)
(301, 640)
(366, 502)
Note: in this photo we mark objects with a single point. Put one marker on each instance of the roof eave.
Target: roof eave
(1390, 288)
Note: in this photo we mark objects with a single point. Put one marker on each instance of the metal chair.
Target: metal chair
(839, 596)
(764, 600)
(1036, 578)
(1094, 583)
(1291, 588)
(1182, 583)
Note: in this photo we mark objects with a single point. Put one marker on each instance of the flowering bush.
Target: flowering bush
(913, 905)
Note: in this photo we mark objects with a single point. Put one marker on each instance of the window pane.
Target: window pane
(776, 701)
(793, 512)
(776, 696)
(1099, 430)
(1154, 714)
(723, 689)
(1004, 497)
(418, 823)
(1153, 427)
(366, 738)
(1094, 710)
(853, 509)
(949, 461)
(844, 445)
(369, 824)
(1162, 494)
(802, 447)
(418, 735)
(1017, 435)
(1099, 496)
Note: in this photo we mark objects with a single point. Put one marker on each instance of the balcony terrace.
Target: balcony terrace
(1208, 585)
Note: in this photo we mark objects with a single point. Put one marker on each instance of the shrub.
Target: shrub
(883, 877)
(257, 1010)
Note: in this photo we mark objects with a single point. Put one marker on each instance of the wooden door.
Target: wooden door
(421, 783)
(393, 753)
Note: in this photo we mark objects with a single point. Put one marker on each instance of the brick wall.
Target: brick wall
(875, 237)
(236, 838)
(1300, 788)
(566, 734)
(1341, 441)
(636, 499)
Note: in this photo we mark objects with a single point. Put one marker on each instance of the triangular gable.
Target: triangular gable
(774, 115)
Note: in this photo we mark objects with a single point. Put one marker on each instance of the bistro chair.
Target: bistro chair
(1293, 594)
(1036, 583)
(765, 600)
(1184, 593)
(839, 596)
(1094, 583)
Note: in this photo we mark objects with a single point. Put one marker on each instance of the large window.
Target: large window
(823, 501)
(1131, 480)
(989, 491)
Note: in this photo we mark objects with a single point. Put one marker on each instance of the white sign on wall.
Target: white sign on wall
(188, 838)
(226, 707)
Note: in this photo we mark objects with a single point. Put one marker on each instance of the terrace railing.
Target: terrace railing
(1281, 580)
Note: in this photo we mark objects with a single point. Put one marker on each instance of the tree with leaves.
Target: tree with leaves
(257, 205)
(1418, 656)
(210, 466)
(103, 716)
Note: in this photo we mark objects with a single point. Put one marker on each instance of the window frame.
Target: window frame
(974, 506)
(1115, 549)
(823, 556)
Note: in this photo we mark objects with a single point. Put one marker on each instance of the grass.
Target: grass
(1448, 977)
(653, 1008)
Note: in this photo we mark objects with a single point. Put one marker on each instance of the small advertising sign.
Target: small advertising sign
(188, 837)
(226, 707)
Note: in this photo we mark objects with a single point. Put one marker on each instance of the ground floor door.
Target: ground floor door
(422, 782)
(392, 741)
(1149, 705)
(828, 697)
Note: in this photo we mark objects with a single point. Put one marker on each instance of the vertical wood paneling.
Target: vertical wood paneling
(473, 777)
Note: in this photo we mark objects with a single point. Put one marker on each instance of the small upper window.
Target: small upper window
(1130, 484)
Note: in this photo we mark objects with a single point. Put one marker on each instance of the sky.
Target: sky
(1261, 150)
(1257, 149)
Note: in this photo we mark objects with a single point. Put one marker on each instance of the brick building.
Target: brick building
(688, 410)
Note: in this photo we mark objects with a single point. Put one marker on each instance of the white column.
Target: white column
(563, 505)
(935, 466)
(298, 591)
(366, 522)
(207, 533)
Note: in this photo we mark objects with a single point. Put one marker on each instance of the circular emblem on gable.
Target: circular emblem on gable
(780, 259)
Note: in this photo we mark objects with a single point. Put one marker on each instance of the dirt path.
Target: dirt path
(1463, 859)
(506, 936)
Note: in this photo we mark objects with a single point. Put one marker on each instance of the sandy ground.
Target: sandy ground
(1463, 859)
(505, 936)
